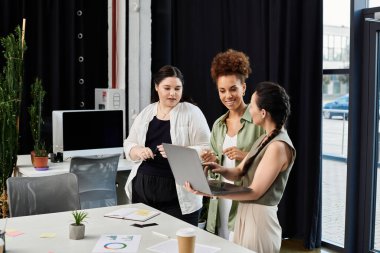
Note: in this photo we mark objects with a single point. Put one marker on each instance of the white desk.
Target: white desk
(26, 168)
(58, 223)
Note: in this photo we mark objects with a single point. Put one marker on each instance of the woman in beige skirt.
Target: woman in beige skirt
(265, 170)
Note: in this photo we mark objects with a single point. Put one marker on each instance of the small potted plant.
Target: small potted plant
(76, 231)
(39, 154)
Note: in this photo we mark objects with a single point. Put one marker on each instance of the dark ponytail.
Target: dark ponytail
(274, 99)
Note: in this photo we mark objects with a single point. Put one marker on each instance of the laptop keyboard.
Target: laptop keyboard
(216, 186)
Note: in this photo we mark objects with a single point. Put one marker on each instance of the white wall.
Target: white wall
(139, 50)
(139, 61)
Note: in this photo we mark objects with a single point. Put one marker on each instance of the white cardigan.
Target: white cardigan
(188, 127)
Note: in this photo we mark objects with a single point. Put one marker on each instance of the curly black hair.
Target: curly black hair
(231, 62)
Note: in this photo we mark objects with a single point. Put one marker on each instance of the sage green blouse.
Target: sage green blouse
(246, 136)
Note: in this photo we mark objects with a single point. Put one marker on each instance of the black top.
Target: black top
(158, 132)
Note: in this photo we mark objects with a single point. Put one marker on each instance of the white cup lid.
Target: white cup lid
(186, 232)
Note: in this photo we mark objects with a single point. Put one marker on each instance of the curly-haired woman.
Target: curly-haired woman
(232, 134)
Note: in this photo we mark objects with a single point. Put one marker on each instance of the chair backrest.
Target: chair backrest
(96, 180)
(39, 195)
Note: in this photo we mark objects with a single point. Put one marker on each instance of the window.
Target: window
(334, 164)
(335, 88)
(373, 3)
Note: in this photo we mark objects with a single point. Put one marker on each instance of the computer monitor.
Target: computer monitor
(88, 132)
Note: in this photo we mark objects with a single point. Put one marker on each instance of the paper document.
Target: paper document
(117, 243)
(136, 214)
(171, 246)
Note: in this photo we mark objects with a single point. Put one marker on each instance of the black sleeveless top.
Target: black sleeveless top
(158, 132)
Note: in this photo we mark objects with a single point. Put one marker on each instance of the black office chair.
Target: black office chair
(96, 180)
(39, 195)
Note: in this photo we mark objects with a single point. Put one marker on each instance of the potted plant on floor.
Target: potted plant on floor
(39, 154)
(11, 83)
(77, 228)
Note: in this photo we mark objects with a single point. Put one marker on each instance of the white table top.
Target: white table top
(26, 168)
(96, 225)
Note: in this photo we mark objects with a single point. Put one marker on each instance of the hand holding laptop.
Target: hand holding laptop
(207, 166)
(187, 167)
(189, 188)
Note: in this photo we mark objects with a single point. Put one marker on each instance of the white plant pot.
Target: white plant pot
(76, 232)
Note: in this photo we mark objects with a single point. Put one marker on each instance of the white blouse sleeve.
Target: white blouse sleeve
(137, 131)
(199, 131)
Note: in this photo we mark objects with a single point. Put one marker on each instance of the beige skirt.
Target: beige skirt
(257, 228)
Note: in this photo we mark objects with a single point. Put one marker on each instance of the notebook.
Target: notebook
(136, 214)
(187, 166)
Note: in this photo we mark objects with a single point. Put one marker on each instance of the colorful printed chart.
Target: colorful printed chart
(117, 243)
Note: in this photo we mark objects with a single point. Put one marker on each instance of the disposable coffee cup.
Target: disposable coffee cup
(186, 240)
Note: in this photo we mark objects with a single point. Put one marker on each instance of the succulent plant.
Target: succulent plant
(79, 217)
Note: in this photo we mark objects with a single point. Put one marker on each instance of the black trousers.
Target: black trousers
(160, 193)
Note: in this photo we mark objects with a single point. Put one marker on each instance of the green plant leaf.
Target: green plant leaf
(35, 111)
(79, 216)
(11, 83)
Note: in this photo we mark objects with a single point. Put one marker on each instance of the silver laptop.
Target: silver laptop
(186, 166)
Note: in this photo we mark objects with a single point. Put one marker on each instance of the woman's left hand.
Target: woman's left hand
(189, 188)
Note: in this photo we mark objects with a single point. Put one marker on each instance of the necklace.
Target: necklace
(164, 114)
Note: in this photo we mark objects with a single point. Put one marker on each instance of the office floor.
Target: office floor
(296, 246)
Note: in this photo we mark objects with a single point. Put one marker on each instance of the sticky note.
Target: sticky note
(47, 235)
(13, 233)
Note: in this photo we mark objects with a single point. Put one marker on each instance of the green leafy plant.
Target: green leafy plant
(36, 122)
(79, 217)
(11, 83)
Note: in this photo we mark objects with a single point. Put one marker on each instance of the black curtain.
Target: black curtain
(58, 34)
(284, 42)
